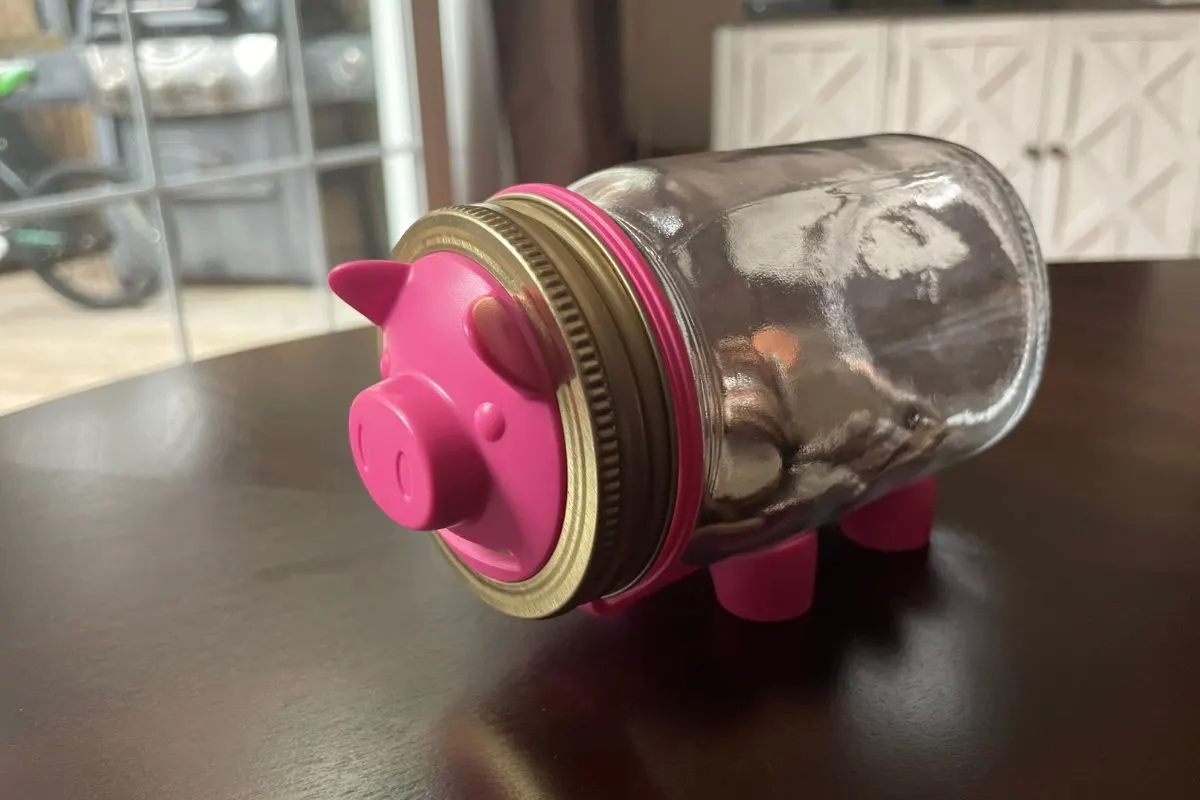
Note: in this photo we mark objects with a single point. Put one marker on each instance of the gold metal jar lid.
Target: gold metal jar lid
(618, 428)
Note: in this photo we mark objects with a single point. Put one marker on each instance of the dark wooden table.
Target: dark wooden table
(197, 600)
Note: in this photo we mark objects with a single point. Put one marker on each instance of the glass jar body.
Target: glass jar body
(858, 313)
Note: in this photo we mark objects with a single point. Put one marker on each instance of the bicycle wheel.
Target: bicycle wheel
(112, 257)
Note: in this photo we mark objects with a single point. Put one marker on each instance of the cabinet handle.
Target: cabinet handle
(1058, 150)
(1033, 152)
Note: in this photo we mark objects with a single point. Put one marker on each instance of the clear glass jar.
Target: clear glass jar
(858, 313)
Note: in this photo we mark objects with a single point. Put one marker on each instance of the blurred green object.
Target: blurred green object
(14, 75)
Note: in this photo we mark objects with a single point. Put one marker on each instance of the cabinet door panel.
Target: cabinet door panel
(978, 82)
(787, 83)
(1123, 119)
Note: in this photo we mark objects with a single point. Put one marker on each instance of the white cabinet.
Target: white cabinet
(799, 82)
(1123, 136)
(976, 82)
(1095, 118)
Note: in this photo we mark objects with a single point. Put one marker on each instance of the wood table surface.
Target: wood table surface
(199, 601)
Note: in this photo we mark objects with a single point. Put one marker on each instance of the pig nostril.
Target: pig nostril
(402, 476)
(360, 453)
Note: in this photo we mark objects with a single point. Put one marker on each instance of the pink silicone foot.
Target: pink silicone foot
(771, 585)
(902, 520)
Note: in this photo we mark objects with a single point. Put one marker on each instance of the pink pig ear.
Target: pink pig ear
(495, 335)
(369, 287)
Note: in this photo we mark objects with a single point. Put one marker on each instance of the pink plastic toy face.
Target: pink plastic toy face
(462, 435)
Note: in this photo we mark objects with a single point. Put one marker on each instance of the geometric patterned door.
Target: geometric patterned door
(978, 82)
(1123, 135)
(801, 82)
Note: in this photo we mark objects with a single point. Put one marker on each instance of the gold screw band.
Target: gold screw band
(619, 467)
(636, 380)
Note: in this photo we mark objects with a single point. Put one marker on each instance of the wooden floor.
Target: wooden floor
(50, 348)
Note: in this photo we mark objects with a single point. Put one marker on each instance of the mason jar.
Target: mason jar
(590, 391)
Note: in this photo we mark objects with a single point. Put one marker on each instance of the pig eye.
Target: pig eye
(489, 422)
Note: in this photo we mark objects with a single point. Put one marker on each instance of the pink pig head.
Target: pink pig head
(462, 434)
